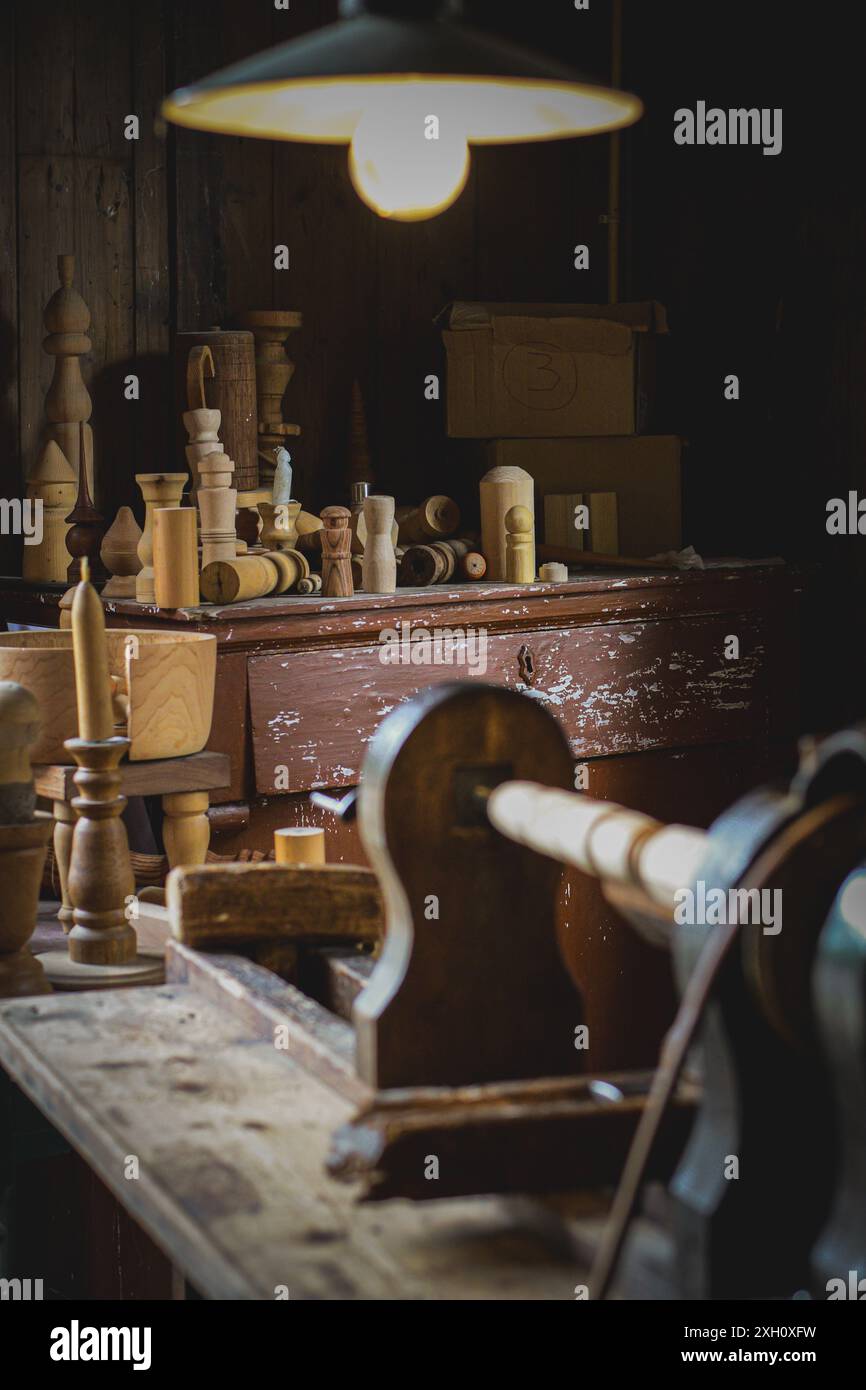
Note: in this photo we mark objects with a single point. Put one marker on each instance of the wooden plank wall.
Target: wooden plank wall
(177, 230)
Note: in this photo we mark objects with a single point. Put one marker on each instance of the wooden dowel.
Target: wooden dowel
(601, 838)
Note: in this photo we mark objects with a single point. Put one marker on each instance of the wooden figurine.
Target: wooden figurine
(274, 371)
(434, 520)
(158, 490)
(119, 554)
(84, 537)
(336, 543)
(24, 836)
(102, 942)
(52, 482)
(379, 567)
(231, 391)
(216, 500)
(233, 581)
(299, 844)
(175, 557)
(501, 489)
(67, 403)
(519, 546)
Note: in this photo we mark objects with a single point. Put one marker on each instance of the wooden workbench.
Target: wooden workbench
(230, 1137)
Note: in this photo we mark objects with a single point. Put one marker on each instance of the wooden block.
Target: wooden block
(603, 523)
(235, 904)
(175, 557)
(561, 517)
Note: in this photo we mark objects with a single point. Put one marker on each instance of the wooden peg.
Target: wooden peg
(24, 836)
(501, 489)
(379, 567)
(519, 546)
(435, 519)
(336, 544)
(84, 537)
(234, 581)
(52, 483)
(67, 404)
(119, 554)
(175, 557)
(158, 490)
(102, 943)
(299, 844)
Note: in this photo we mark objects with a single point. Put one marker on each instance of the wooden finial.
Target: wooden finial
(519, 546)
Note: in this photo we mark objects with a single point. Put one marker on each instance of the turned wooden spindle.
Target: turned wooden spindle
(519, 546)
(434, 520)
(24, 836)
(379, 565)
(158, 490)
(119, 554)
(52, 482)
(336, 552)
(67, 404)
(86, 529)
(216, 500)
(102, 942)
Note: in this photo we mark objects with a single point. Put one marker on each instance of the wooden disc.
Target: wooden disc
(65, 974)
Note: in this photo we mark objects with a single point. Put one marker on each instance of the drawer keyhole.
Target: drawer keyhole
(526, 665)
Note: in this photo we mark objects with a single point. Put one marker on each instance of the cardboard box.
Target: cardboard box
(550, 370)
(644, 471)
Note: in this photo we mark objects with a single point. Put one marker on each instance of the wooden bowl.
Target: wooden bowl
(168, 676)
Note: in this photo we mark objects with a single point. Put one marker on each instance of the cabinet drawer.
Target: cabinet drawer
(615, 689)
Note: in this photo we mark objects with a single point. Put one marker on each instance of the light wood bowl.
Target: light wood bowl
(168, 676)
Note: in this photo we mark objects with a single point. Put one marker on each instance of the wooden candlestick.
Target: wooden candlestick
(84, 537)
(379, 567)
(100, 882)
(67, 404)
(502, 488)
(437, 518)
(119, 554)
(519, 546)
(158, 490)
(24, 837)
(274, 371)
(299, 844)
(336, 549)
(175, 557)
(52, 482)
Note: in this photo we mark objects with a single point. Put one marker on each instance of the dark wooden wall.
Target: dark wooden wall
(178, 229)
(760, 260)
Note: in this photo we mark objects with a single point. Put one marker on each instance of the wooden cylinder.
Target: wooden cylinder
(602, 839)
(553, 573)
(472, 565)
(175, 557)
(299, 844)
(231, 391)
(158, 490)
(436, 518)
(501, 489)
(291, 567)
(233, 581)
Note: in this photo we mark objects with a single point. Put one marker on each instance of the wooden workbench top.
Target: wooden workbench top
(231, 1137)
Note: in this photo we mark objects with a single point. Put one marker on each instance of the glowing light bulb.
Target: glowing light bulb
(406, 161)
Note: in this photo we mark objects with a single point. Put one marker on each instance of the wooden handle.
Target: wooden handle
(200, 360)
(599, 837)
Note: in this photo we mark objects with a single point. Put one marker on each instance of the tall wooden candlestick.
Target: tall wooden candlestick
(102, 942)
